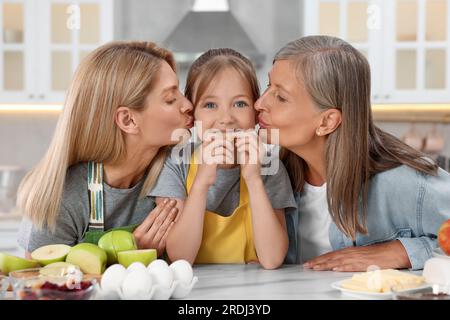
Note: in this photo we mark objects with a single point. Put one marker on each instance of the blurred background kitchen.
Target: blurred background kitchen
(43, 41)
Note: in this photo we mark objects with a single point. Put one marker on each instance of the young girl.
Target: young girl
(107, 151)
(229, 213)
(364, 197)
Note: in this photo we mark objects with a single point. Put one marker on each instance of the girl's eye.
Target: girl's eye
(241, 104)
(171, 101)
(210, 105)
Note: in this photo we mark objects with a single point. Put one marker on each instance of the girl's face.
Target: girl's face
(226, 104)
(166, 110)
(286, 106)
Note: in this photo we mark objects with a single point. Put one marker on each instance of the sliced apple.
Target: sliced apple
(90, 258)
(10, 263)
(128, 257)
(116, 241)
(57, 269)
(51, 253)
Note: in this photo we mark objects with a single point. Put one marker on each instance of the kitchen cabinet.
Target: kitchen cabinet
(406, 42)
(42, 43)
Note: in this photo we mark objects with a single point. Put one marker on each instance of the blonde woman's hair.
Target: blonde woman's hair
(336, 75)
(115, 74)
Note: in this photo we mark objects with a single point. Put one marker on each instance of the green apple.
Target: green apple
(88, 257)
(116, 241)
(57, 269)
(50, 254)
(10, 263)
(128, 257)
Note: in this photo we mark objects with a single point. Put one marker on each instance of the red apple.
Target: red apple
(444, 237)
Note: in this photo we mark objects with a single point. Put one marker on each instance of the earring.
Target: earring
(318, 132)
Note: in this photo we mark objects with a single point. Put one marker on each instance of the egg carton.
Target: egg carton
(178, 290)
(175, 281)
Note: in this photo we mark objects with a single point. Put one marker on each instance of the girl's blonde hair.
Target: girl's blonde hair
(336, 75)
(115, 74)
(210, 64)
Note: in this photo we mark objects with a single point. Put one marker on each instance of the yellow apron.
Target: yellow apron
(226, 239)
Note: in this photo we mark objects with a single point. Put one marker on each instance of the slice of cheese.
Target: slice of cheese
(382, 281)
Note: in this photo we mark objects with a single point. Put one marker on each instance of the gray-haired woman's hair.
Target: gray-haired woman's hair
(337, 76)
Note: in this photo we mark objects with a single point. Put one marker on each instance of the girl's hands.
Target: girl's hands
(249, 152)
(388, 255)
(215, 150)
(220, 148)
(152, 232)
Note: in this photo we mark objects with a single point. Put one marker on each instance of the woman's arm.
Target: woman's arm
(411, 252)
(68, 223)
(153, 231)
(387, 255)
(269, 227)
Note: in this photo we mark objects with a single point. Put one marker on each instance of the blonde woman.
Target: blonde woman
(107, 151)
(364, 197)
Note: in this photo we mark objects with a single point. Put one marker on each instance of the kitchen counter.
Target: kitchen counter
(225, 282)
(253, 282)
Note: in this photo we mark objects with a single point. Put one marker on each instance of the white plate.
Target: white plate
(368, 295)
(439, 253)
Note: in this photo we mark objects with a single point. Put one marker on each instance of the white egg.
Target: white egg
(182, 271)
(137, 285)
(112, 281)
(162, 275)
(136, 266)
(158, 263)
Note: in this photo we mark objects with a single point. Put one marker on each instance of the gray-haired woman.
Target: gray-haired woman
(364, 197)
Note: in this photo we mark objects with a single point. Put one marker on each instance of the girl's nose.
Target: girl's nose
(226, 118)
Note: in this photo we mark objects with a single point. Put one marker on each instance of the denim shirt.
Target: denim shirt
(402, 204)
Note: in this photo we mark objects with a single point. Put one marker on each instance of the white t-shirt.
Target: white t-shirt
(314, 222)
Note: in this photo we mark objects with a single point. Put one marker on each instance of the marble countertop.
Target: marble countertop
(253, 282)
(242, 282)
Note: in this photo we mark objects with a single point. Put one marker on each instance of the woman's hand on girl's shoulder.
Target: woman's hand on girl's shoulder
(152, 232)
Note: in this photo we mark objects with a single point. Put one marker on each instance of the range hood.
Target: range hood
(210, 24)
